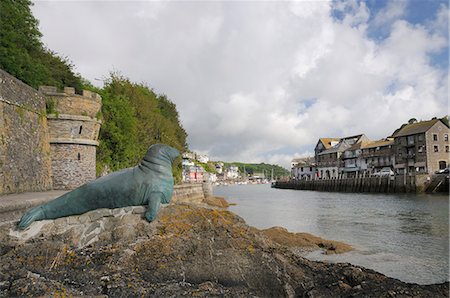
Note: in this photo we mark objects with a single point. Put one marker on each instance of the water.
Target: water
(405, 236)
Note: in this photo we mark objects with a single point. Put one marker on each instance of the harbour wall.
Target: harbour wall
(397, 184)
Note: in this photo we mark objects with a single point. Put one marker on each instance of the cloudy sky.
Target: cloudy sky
(262, 81)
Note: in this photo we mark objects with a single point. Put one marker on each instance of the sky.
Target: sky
(263, 81)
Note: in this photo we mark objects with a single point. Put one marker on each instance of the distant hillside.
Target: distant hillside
(251, 168)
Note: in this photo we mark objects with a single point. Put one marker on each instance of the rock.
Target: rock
(304, 240)
(187, 251)
(99, 213)
(216, 202)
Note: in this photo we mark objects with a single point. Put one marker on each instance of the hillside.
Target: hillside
(252, 168)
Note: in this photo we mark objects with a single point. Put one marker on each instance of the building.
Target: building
(303, 168)
(73, 129)
(329, 161)
(194, 174)
(377, 155)
(202, 158)
(324, 144)
(188, 155)
(421, 147)
(219, 168)
(232, 172)
(351, 161)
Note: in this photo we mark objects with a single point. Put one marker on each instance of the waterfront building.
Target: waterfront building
(377, 155)
(329, 162)
(324, 144)
(351, 163)
(303, 168)
(421, 147)
(194, 174)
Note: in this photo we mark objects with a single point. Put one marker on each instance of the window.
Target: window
(420, 137)
(79, 156)
(442, 164)
(81, 129)
(301, 169)
(446, 137)
(420, 149)
(446, 148)
(310, 169)
(410, 140)
(436, 148)
(435, 138)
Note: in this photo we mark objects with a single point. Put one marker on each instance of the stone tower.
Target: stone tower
(73, 127)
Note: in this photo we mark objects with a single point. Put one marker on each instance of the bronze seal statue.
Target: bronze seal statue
(149, 183)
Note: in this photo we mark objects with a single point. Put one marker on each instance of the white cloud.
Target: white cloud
(392, 12)
(261, 81)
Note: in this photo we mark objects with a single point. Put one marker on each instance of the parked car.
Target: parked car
(384, 172)
(443, 171)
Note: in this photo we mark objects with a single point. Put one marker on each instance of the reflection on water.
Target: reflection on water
(404, 236)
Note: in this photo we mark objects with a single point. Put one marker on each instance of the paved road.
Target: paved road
(26, 200)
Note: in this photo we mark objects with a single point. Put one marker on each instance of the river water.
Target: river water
(405, 236)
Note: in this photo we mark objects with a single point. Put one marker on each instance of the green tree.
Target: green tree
(135, 118)
(22, 53)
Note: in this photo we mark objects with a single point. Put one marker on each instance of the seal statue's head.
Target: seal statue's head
(161, 154)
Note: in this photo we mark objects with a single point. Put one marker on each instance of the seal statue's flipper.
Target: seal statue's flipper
(34, 214)
(154, 203)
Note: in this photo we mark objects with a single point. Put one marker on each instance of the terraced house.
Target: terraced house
(377, 155)
(330, 162)
(421, 147)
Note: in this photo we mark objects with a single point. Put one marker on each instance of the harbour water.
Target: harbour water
(405, 236)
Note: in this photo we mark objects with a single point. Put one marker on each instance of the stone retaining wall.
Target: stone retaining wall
(16, 207)
(24, 141)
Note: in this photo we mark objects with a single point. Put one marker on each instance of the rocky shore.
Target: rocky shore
(199, 250)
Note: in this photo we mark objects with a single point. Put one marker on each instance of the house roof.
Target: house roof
(414, 128)
(339, 147)
(358, 145)
(303, 161)
(327, 141)
(378, 143)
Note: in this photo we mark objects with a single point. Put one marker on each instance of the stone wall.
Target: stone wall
(72, 165)
(74, 130)
(73, 127)
(67, 102)
(440, 130)
(188, 193)
(24, 142)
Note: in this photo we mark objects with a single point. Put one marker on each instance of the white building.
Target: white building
(202, 158)
(303, 168)
(232, 172)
